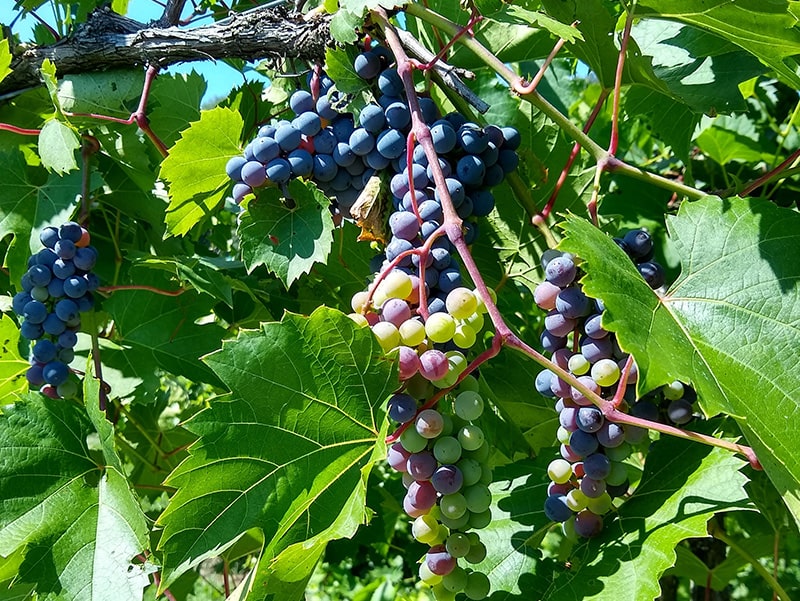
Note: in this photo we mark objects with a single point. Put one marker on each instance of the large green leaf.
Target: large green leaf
(289, 451)
(195, 168)
(287, 237)
(12, 365)
(767, 30)
(684, 484)
(730, 324)
(77, 522)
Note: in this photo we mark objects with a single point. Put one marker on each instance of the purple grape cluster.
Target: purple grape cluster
(590, 472)
(56, 289)
(443, 457)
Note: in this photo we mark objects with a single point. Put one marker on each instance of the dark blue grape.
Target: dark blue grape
(391, 143)
(594, 328)
(560, 271)
(367, 65)
(419, 157)
(342, 127)
(44, 351)
(279, 171)
(419, 196)
(268, 130)
(397, 115)
(680, 412)
(40, 275)
(508, 160)
(65, 355)
(402, 407)
(430, 210)
(361, 141)
(343, 155)
(34, 375)
(404, 225)
(456, 120)
(456, 189)
(552, 343)
(494, 176)
(511, 138)
(248, 152)
(470, 170)
(471, 232)
(639, 244)
(324, 108)
(389, 83)
(325, 168)
(85, 302)
(449, 279)
(441, 258)
(375, 160)
(75, 287)
(415, 260)
(288, 137)
(324, 142)
(265, 149)
(396, 247)
(66, 309)
(596, 349)
(234, 168)
(341, 182)
(572, 303)
(240, 191)
(62, 269)
(19, 301)
(589, 419)
(482, 202)
(652, 273)
(596, 466)
(419, 176)
(490, 155)
(53, 325)
(35, 312)
(464, 210)
(495, 135)
(301, 102)
(399, 185)
(543, 382)
(372, 118)
(55, 373)
(435, 304)
(67, 339)
(31, 331)
(472, 138)
(556, 509)
(70, 231)
(49, 236)
(428, 227)
(357, 168)
(301, 162)
(444, 136)
(429, 111)
(254, 174)
(583, 443)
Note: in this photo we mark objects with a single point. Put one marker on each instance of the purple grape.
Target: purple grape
(596, 349)
(397, 457)
(639, 244)
(594, 328)
(430, 210)
(589, 419)
(395, 311)
(264, 150)
(652, 273)
(573, 303)
(596, 466)
(611, 435)
(439, 561)
(551, 343)
(583, 443)
(421, 494)
(588, 524)
(447, 479)
(402, 407)
(592, 488)
(558, 324)
(555, 508)
(680, 412)
(367, 65)
(560, 271)
(253, 174)
(422, 465)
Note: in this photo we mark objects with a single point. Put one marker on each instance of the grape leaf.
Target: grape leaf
(684, 484)
(5, 59)
(78, 523)
(195, 168)
(767, 30)
(738, 288)
(162, 331)
(175, 103)
(57, 145)
(288, 241)
(288, 452)
(12, 365)
(111, 93)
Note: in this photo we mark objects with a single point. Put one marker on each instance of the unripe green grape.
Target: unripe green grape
(474, 321)
(486, 475)
(412, 332)
(457, 544)
(477, 553)
(447, 449)
(461, 303)
(412, 441)
(468, 406)
(673, 391)
(477, 586)
(387, 335)
(481, 454)
(481, 304)
(359, 319)
(429, 423)
(469, 383)
(619, 453)
(457, 523)
(444, 532)
(359, 301)
(605, 372)
(456, 580)
(600, 505)
(453, 506)
(67, 390)
(457, 362)
(559, 471)
(442, 594)
(568, 529)
(576, 500)
(440, 327)
(419, 387)
(478, 498)
(396, 284)
(471, 470)
(474, 538)
(562, 435)
(481, 520)
(578, 364)
(446, 382)
(448, 427)
(618, 473)
(464, 336)
(427, 576)
(471, 437)
(425, 529)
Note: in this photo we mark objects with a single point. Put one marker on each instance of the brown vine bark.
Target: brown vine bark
(110, 41)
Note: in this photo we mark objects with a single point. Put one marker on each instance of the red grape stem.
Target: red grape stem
(19, 130)
(769, 175)
(108, 289)
(521, 88)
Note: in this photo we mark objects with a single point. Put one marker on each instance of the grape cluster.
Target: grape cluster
(672, 403)
(340, 152)
(444, 460)
(590, 472)
(56, 289)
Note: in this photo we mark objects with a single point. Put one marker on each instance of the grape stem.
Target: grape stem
(108, 289)
(527, 89)
(452, 226)
(614, 165)
(19, 130)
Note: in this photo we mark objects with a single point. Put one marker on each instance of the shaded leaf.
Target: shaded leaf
(57, 145)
